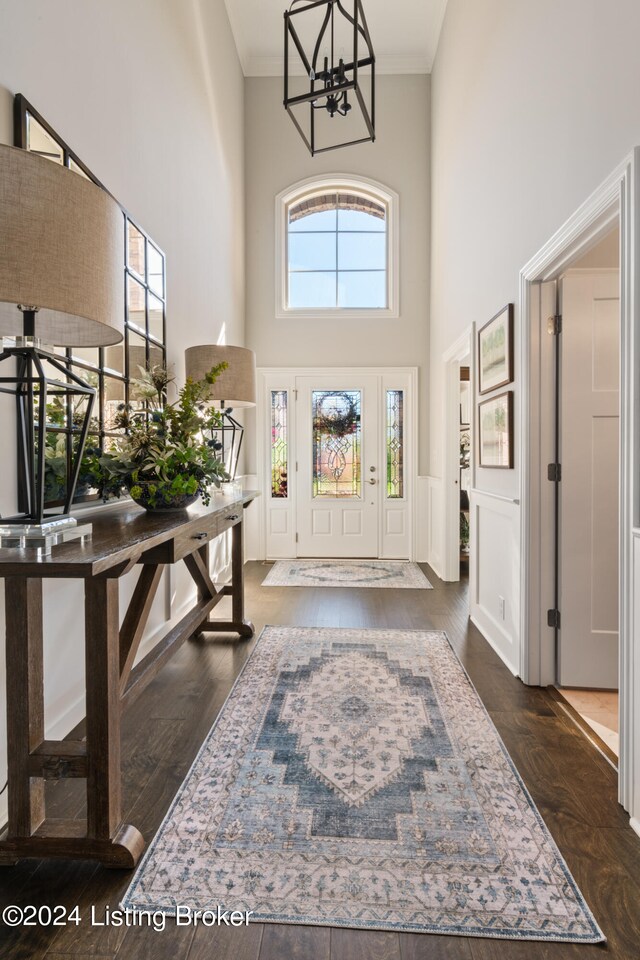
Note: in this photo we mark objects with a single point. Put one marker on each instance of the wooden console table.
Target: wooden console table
(123, 536)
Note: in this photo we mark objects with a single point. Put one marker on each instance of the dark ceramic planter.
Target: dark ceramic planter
(164, 506)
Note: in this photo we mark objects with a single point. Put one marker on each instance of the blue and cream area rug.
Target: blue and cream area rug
(346, 573)
(354, 778)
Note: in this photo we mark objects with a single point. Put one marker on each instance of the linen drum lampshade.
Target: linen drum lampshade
(61, 284)
(236, 386)
(61, 251)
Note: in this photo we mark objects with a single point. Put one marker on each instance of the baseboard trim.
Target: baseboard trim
(493, 645)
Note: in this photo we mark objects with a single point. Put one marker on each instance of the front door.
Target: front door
(338, 473)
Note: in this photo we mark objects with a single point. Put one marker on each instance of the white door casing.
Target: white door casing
(589, 489)
(462, 349)
(616, 201)
(387, 525)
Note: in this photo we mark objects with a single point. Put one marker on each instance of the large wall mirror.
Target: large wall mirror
(109, 369)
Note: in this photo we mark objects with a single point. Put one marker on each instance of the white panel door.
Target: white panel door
(589, 489)
(338, 465)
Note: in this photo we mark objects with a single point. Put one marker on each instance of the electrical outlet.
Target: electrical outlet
(501, 607)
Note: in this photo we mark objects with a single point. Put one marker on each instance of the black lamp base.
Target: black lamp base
(39, 376)
(229, 436)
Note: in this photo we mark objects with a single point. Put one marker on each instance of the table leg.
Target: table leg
(237, 624)
(32, 758)
(25, 702)
(245, 629)
(102, 658)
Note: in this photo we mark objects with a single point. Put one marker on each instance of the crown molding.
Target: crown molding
(273, 66)
(238, 37)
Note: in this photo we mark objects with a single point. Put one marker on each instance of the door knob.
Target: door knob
(372, 481)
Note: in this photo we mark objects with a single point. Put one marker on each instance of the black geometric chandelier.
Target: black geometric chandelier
(329, 73)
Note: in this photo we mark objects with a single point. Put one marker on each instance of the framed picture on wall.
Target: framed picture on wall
(495, 431)
(495, 351)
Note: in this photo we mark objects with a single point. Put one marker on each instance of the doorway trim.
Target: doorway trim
(463, 347)
(284, 378)
(617, 198)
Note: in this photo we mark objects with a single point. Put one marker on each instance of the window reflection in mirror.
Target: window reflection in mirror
(156, 271)
(137, 357)
(136, 304)
(113, 398)
(42, 143)
(114, 358)
(86, 355)
(77, 168)
(156, 356)
(156, 318)
(135, 250)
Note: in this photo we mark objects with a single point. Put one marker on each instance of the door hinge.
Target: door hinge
(553, 619)
(554, 325)
(295, 394)
(296, 466)
(554, 472)
(296, 537)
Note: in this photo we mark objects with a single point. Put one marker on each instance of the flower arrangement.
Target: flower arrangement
(168, 455)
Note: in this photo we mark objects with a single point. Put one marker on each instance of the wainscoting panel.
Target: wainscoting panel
(422, 520)
(430, 514)
(436, 532)
(495, 573)
(630, 697)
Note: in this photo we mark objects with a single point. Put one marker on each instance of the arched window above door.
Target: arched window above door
(337, 250)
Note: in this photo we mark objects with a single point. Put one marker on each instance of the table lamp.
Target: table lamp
(61, 284)
(235, 387)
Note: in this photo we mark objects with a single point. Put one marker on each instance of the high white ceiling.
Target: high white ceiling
(404, 34)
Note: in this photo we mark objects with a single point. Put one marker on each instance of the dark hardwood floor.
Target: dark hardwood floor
(572, 784)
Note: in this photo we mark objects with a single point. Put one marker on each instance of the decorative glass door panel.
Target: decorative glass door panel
(395, 444)
(279, 445)
(337, 442)
(340, 475)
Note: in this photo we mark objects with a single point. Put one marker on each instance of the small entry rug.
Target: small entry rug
(354, 778)
(346, 573)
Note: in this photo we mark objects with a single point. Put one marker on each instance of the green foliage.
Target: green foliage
(464, 530)
(55, 454)
(168, 450)
(55, 467)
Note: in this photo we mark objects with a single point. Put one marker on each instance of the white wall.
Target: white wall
(276, 159)
(150, 95)
(533, 105)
